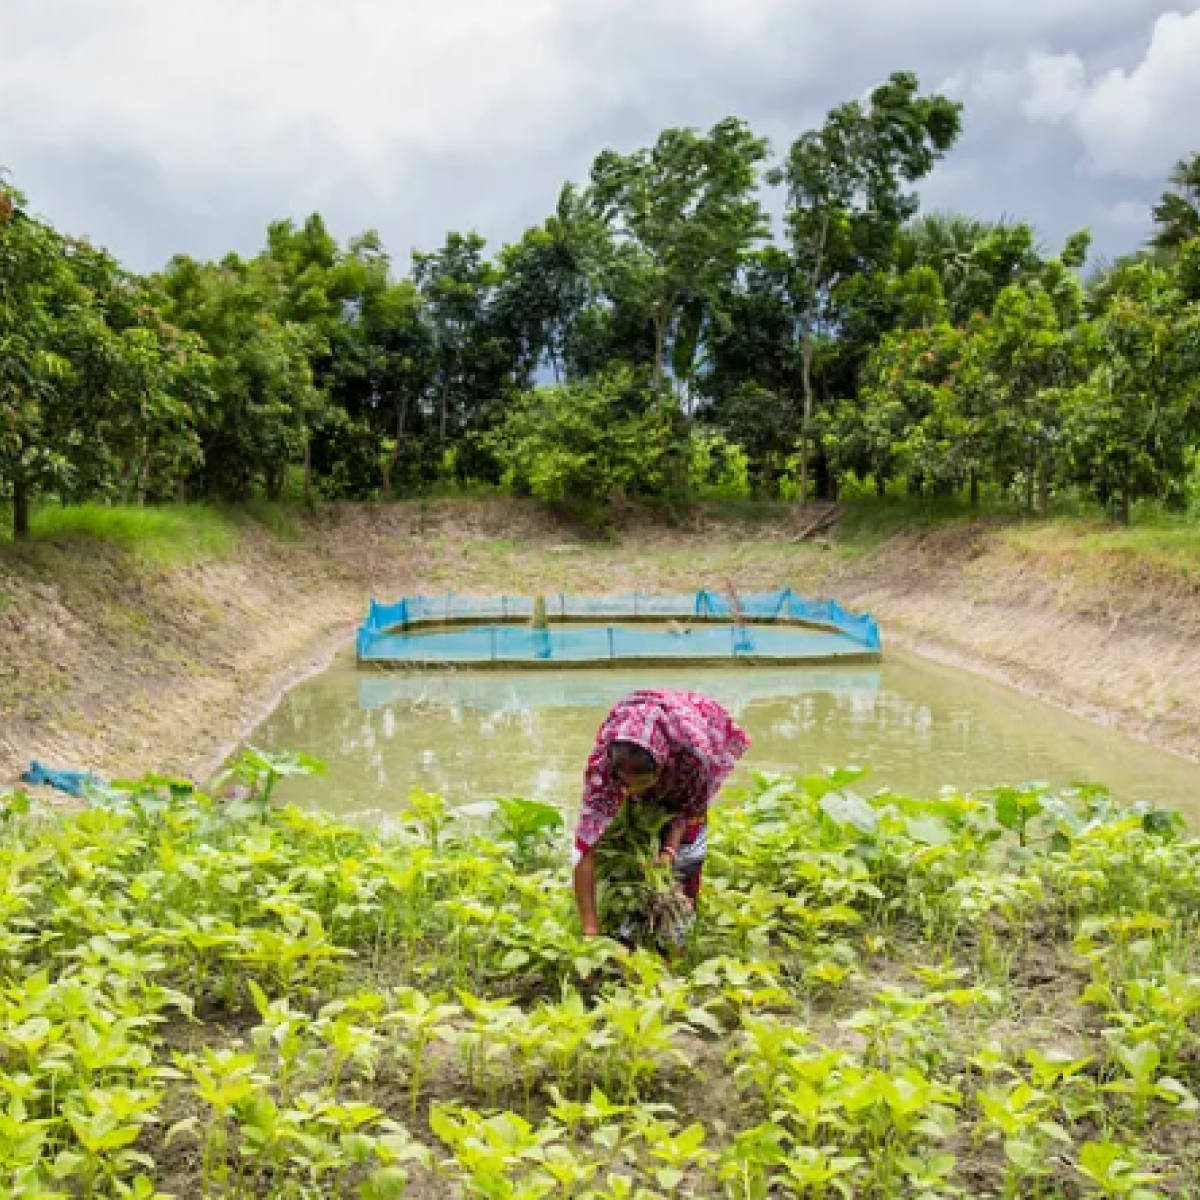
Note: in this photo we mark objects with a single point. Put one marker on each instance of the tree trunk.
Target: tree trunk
(142, 483)
(974, 489)
(806, 355)
(880, 484)
(1044, 491)
(392, 459)
(660, 336)
(1126, 506)
(20, 509)
(308, 474)
(127, 468)
(823, 478)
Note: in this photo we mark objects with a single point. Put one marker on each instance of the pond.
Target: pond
(476, 735)
(588, 643)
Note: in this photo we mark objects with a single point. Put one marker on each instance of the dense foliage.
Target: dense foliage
(885, 998)
(858, 346)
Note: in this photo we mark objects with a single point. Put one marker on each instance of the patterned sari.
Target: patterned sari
(695, 745)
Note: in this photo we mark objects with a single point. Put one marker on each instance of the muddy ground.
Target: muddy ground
(120, 667)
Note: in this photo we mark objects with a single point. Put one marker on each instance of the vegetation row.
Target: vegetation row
(993, 995)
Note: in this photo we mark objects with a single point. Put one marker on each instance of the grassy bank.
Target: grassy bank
(176, 535)
(993, 997)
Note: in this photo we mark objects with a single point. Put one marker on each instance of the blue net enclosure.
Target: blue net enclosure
(705, 628)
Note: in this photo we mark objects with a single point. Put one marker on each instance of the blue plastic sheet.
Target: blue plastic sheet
(73, 783)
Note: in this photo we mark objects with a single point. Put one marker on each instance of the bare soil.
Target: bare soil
(120, 667)
(1112, 637)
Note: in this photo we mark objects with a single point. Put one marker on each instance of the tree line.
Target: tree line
(657, 334)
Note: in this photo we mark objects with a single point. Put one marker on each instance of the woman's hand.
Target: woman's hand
(667, 856)
(585, 894)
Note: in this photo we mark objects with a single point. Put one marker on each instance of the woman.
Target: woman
(667, 754)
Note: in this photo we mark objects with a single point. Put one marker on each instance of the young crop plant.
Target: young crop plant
(882, 997)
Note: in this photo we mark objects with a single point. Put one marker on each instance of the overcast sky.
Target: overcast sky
(164, 126)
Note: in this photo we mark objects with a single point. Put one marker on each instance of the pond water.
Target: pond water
(476, 735)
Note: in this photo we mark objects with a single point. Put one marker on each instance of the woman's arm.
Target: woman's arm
(673, 840)
(602, 798)
(585, 893)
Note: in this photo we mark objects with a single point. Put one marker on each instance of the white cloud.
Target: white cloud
(1127, 215)
(1132, 121)
(183, 124)
(1057, 83)
(215, 83)
(1138, 122)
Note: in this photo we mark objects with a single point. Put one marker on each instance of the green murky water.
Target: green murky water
(477, 735)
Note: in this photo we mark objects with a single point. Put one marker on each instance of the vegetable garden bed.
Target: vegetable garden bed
(992, 996)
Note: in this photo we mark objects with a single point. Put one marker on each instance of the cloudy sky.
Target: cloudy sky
(159, 126)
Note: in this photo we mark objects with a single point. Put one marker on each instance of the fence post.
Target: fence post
(635, 604)
(733, 640)
(493, 643)
(612, 652)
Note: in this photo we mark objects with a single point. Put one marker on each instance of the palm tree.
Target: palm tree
(975, 260)
(1177, 214)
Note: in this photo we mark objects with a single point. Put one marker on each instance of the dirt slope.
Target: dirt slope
(1112, 636)
(108, 664)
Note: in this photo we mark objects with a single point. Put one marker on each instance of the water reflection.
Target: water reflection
(478, 735)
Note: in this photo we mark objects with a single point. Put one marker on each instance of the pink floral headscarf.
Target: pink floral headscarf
(694, 742)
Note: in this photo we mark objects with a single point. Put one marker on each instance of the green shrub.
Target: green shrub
(588, 441)
(720, 469)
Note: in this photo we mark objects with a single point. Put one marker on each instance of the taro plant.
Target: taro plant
(259, 773)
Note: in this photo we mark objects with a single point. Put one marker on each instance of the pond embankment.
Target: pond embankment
(123, 665)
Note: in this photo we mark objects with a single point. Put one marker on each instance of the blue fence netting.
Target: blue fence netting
(704, 625)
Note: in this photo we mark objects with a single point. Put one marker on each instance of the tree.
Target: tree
(457, 284)
(901, 414)
(264, 401)
(751, 380)
(1029, 353)
(683, 214)
(548, 279)
(1129, 427)
(96, 388)
(399, 367)
(847, 200)
(36, 287)
(1177, 214)
(589, 441)
(974, 260)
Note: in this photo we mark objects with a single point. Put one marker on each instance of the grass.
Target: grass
(167, 536)
(180, 535)
(869, 523)
(1164, 541)
(281, 519)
